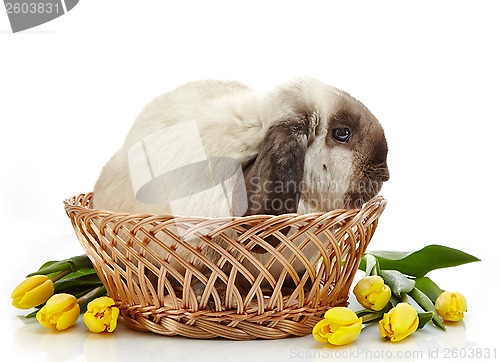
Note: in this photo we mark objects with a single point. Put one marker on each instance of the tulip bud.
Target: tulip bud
(399, 322)
(340, 326)
(451, 306)
(372, 293)
(60, 312)
(32, 292)
(101, 315)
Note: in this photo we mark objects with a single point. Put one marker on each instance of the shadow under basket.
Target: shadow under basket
(266, 276)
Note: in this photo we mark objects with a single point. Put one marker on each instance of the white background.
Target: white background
(429, 71)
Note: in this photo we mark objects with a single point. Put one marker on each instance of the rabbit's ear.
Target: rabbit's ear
(273, 180)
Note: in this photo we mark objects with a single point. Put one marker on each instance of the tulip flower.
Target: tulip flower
(32, 292)
(101, 315)
(60, 312)
(372, 293)
(451, 306)
(399, 322)
(340, 326)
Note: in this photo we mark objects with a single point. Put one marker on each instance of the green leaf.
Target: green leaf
(427, 305)
(47, 264)
(79, 273)
(427, 286)
(371, 265)
(75, 263)
(79, 280)
(398, 282)
(424, 318)
(32, 314)
(422, 261)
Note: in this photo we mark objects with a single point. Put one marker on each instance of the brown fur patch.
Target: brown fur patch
(273, 180)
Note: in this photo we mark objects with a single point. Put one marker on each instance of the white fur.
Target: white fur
(232, 121)
(229, 123)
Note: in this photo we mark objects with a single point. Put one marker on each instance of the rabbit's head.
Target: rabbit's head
(323, 150)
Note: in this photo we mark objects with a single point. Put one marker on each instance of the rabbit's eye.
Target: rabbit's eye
(341, 134)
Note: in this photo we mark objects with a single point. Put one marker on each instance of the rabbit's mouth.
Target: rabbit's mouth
(364, 190)
(357, 200)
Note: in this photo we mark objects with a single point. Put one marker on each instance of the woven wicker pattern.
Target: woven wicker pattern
(155, 296)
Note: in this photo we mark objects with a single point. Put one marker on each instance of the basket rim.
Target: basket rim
(81, 201)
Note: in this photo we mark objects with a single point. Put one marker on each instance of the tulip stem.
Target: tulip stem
(423, 301)
(368, 315)
(376, 268)
(91, 295)
(60, 275)
(372, 317)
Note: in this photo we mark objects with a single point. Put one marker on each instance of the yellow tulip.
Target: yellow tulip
(32, 292)
(451, 306)
(340, 326)
(372, 293)
(60, 312)
(399, 322)
(101, 315)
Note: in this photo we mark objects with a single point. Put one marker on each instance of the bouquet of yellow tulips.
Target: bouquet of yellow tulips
(391, 279)
(60, 290)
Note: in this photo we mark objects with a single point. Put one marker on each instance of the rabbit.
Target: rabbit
(219, 148)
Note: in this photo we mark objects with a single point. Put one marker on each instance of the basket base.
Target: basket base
(227, 325)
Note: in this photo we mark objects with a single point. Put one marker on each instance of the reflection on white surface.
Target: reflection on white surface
(78, 344)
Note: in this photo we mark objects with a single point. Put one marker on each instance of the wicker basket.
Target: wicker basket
(154, 296)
